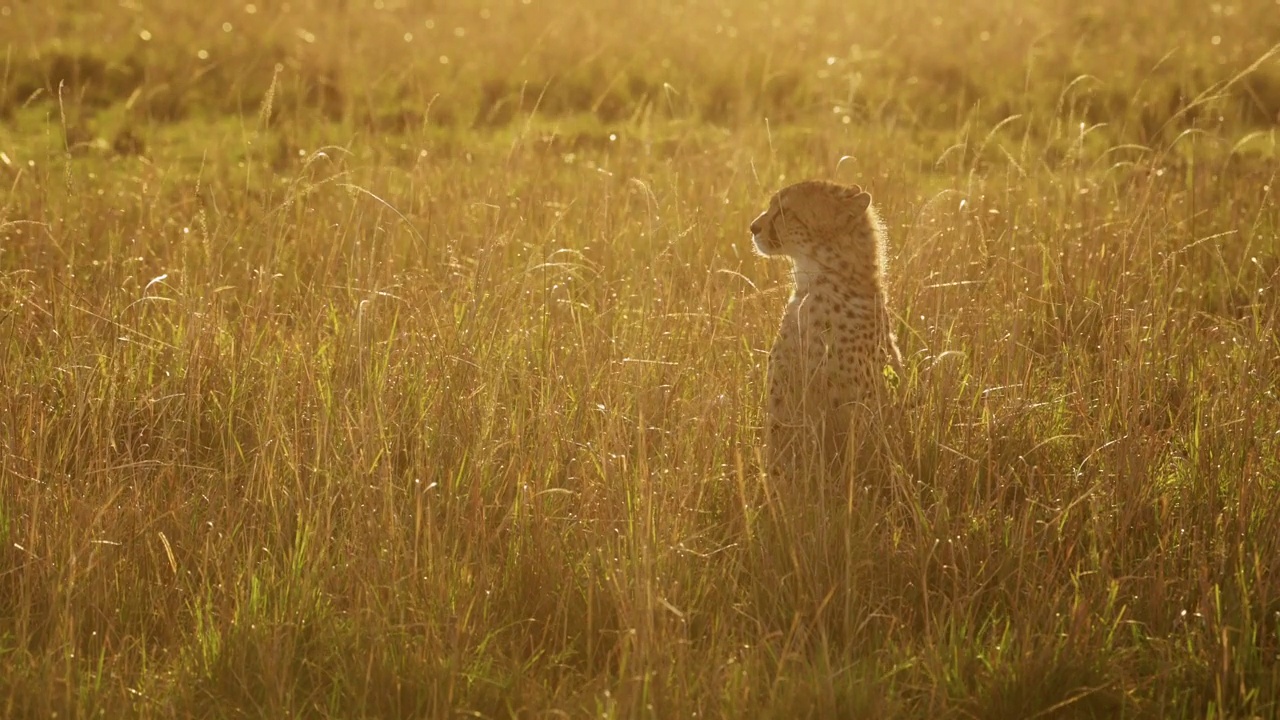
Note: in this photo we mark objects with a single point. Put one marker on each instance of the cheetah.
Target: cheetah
(827, 364)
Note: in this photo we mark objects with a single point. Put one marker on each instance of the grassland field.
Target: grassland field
(389, 359)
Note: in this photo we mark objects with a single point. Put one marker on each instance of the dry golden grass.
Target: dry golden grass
(398, 360)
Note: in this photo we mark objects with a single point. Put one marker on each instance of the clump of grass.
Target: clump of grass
(380, 386)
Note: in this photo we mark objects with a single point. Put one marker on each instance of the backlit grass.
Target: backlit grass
(405, 360)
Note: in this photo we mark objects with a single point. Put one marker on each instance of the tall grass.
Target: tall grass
(341, 381)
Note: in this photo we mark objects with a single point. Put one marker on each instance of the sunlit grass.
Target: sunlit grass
(391, 362)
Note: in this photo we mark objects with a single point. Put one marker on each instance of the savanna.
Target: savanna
(386, 359)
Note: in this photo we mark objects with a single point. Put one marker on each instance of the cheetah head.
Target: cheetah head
(815, 221)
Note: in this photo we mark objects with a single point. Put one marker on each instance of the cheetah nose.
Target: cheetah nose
(756, 227)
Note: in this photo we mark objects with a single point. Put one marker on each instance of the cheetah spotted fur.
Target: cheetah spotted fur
(826, 368)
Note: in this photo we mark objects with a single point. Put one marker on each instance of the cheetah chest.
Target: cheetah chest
(825, 355)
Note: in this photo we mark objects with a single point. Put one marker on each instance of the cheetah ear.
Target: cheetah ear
(859, 203)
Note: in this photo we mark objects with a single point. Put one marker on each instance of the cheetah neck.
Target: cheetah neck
(809, 274)
(806, 271)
